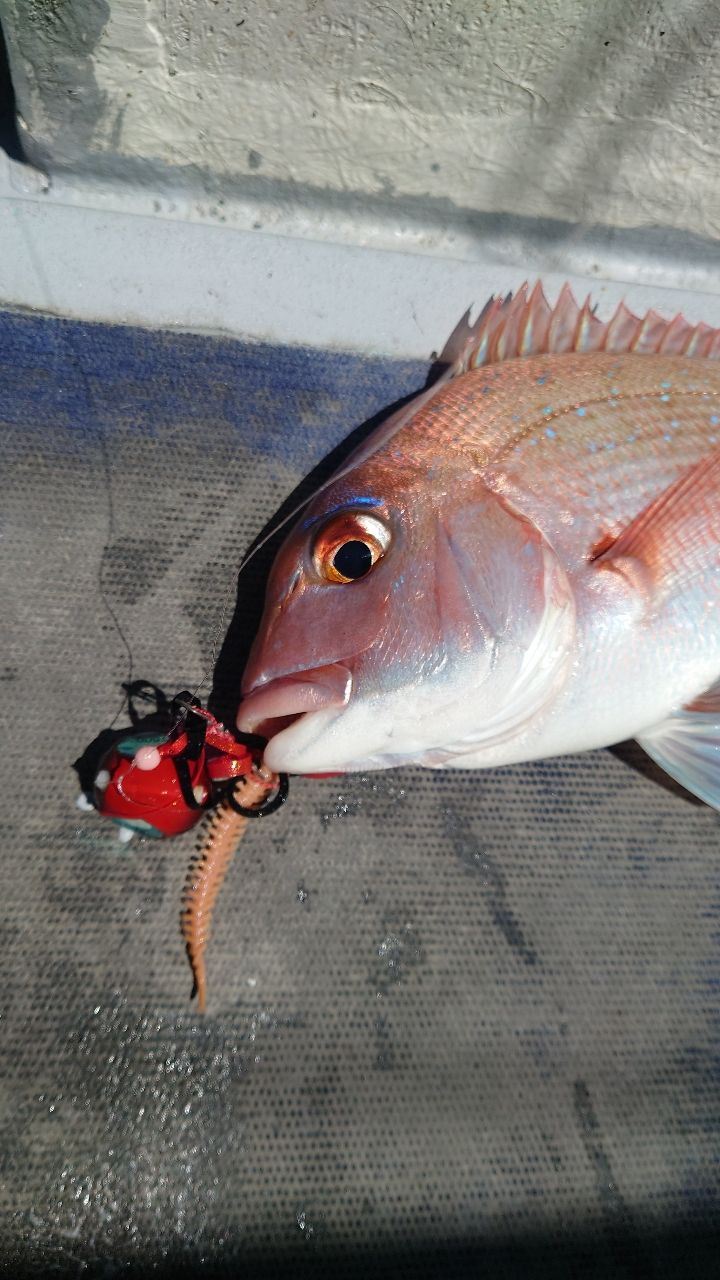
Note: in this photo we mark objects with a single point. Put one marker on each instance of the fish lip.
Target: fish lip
(269, 707)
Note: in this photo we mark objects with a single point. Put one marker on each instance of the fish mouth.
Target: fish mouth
(267, 709)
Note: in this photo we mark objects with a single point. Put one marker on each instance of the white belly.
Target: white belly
(631, 669)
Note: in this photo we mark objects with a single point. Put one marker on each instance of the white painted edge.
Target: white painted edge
(93, 262)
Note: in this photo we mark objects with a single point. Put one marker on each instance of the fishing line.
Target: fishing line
(102, 588)
(111, 526)
(110, 537)
(111, 533)
(104, 450)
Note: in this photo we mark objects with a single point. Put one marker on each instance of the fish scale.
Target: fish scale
(605, 463)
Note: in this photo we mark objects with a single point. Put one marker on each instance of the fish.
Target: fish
(523, 562)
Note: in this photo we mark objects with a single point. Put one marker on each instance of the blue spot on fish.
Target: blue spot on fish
(665, 397)
(610, 444)
(665, 385)
(541, 382)
(667, 437)
(550, 433)
(581, 412)
(675, 422)
(614, 391)
(714, 420)
(548, 408)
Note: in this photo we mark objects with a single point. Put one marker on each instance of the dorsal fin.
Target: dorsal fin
(525, 324)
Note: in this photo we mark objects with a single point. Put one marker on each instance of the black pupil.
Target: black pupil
(353, 559)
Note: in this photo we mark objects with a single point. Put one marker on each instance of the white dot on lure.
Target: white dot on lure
(147, 758)
(102, 779)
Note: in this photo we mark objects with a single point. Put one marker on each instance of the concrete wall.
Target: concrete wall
(568, 110)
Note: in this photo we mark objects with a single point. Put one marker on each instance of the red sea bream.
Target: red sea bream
(523, 562)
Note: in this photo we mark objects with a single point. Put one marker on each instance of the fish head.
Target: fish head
(401, 614)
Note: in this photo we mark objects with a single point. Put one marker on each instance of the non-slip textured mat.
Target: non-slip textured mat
(459, 1023)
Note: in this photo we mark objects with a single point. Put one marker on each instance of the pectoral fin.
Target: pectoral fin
(675, 538)
(687, 746)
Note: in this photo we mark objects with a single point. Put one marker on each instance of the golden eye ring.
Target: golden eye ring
(349, 546)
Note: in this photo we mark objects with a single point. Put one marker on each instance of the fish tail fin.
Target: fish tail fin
(525, 324)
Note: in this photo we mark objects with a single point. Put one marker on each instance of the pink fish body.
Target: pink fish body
(522, 563)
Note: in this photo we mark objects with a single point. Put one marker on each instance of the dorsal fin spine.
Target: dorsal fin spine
(525, 324)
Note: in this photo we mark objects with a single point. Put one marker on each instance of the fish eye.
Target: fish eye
(349, 546)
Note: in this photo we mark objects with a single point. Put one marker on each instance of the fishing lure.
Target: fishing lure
(161, 776)
(216, 848)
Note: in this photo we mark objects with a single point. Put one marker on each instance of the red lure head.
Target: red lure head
(160, 780)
